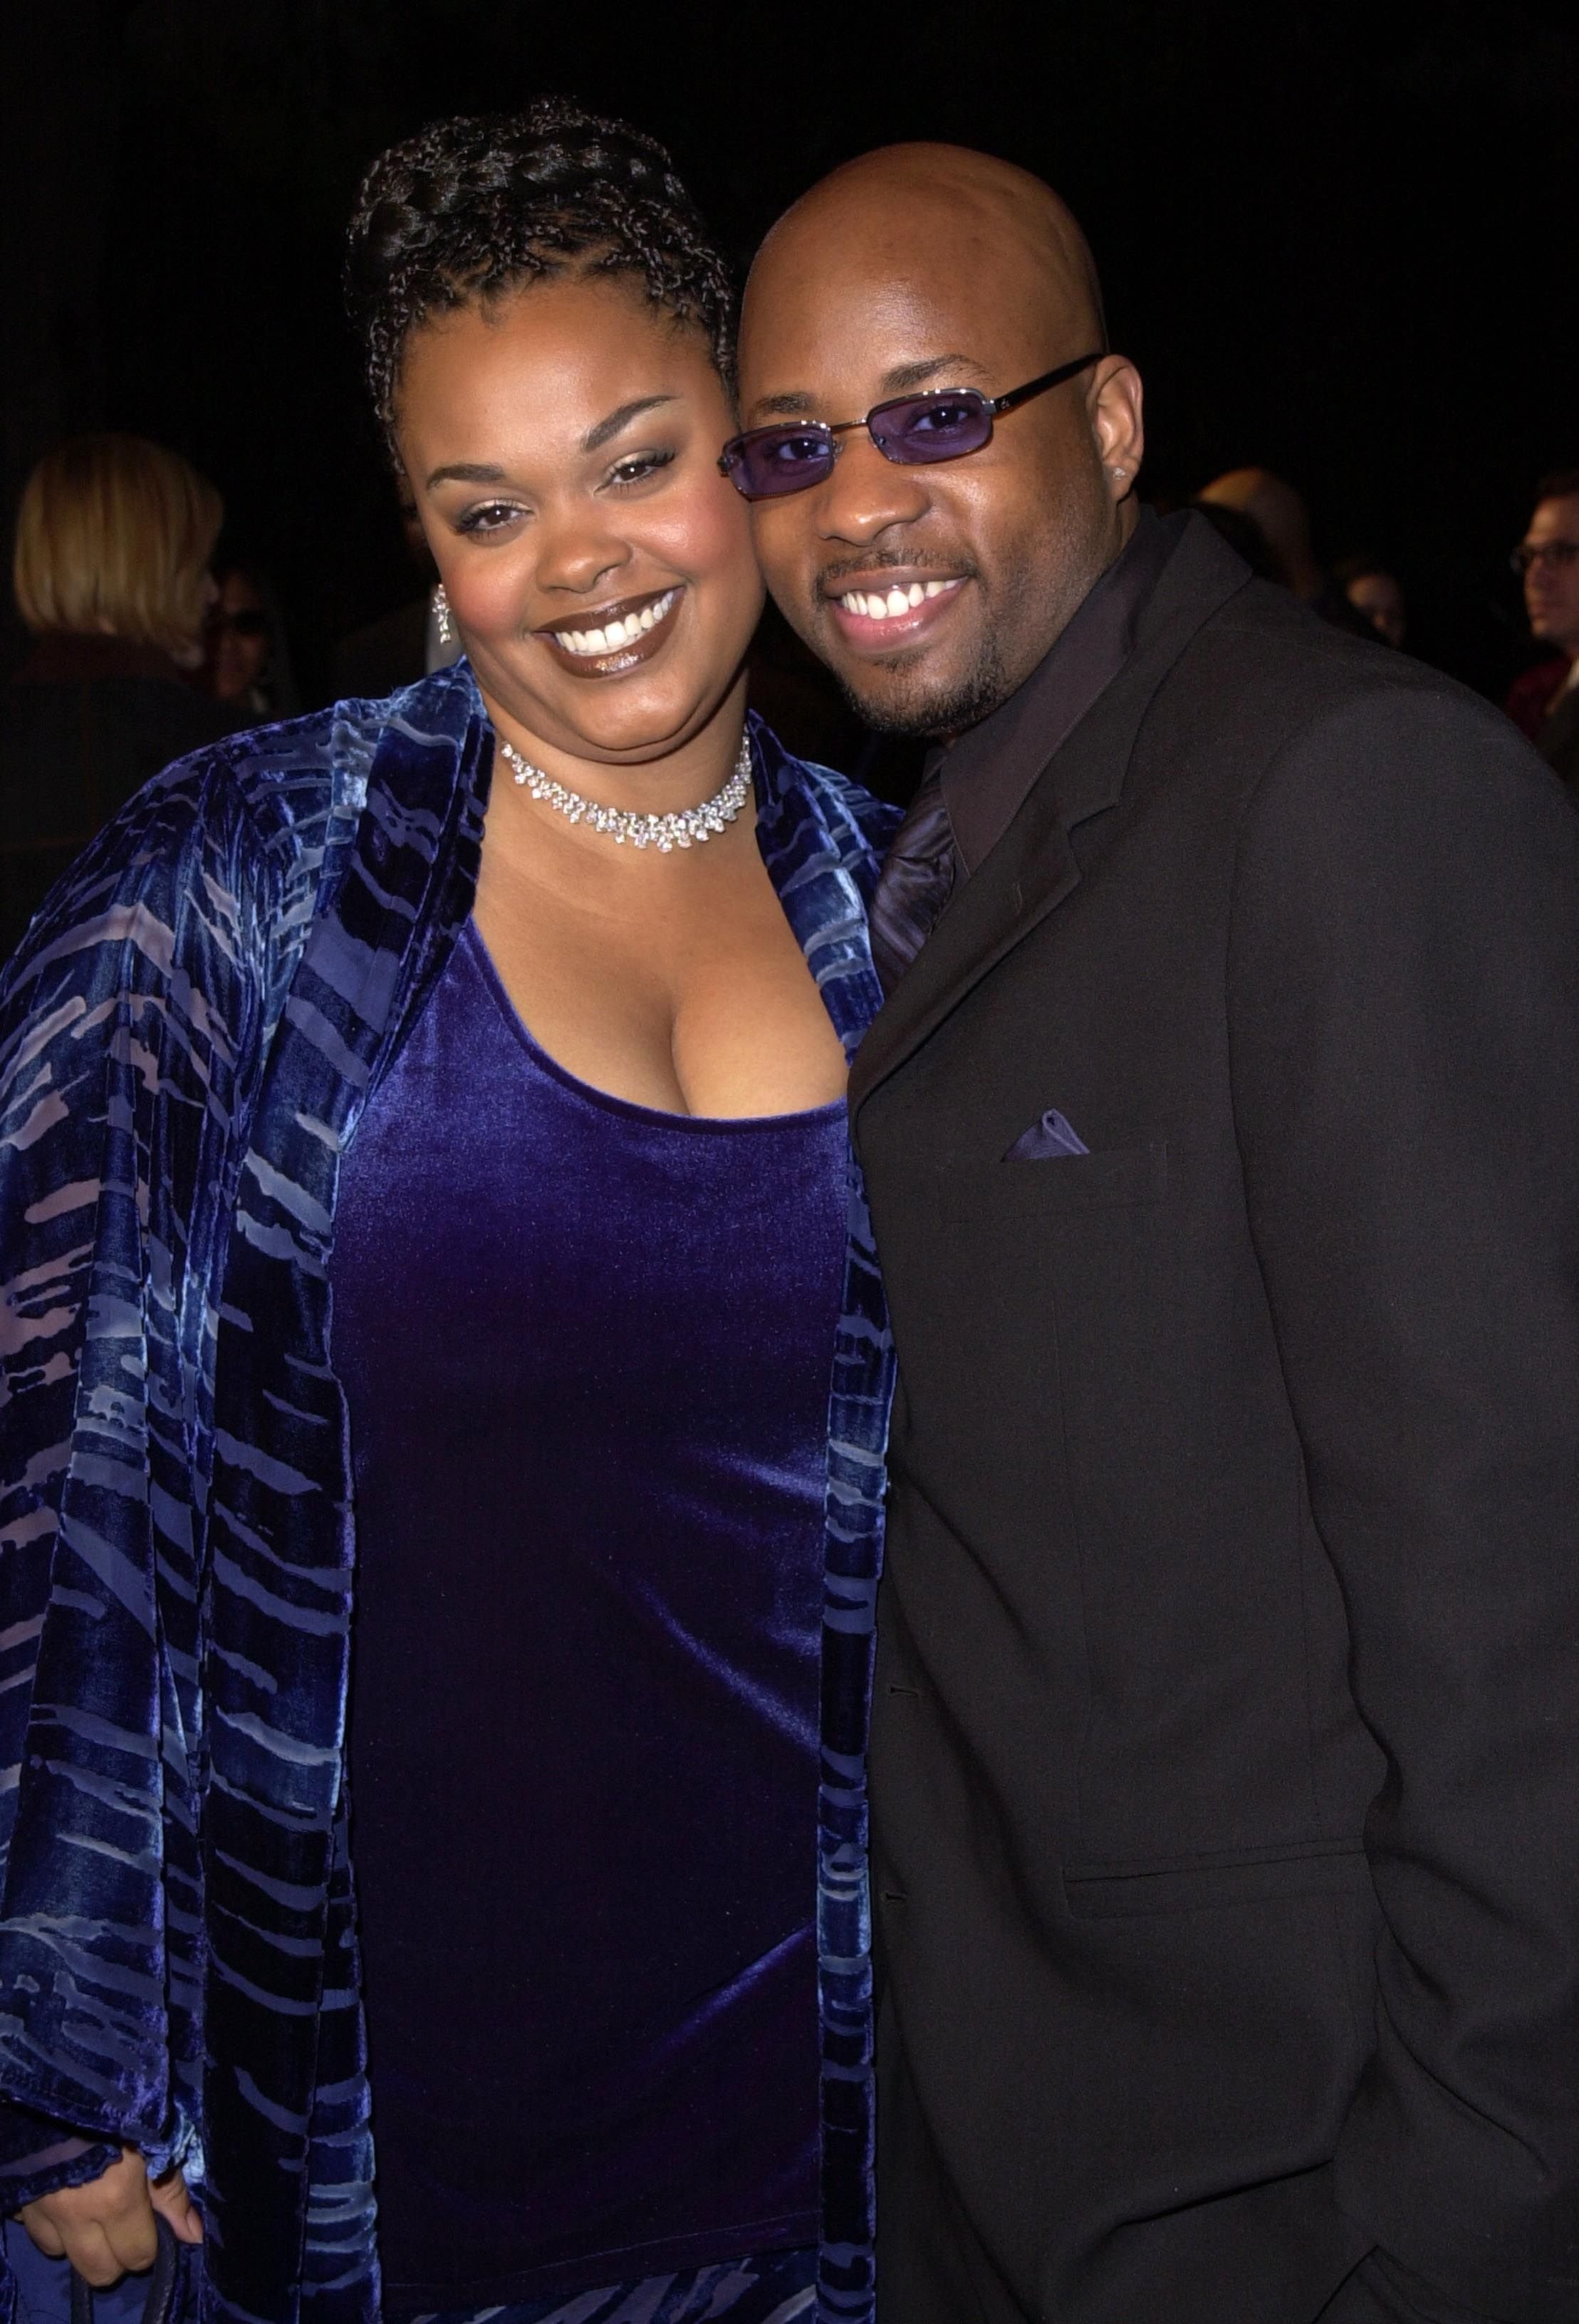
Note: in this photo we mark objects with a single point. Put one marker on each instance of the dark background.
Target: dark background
(1341, 240)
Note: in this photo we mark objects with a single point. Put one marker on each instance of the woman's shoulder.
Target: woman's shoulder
(877, 820)
(860, 823)
(272, 784)
(225, 845)
(280, 777)
(264, 785)
(234, 847)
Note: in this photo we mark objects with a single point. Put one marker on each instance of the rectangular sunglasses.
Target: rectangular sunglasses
(912, 430)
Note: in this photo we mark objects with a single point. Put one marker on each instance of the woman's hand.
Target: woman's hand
(107, 2227)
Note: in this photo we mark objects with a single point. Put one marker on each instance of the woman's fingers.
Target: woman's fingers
(95, 2258)
(44, 2232)
(103, 2227)
(172, 2202)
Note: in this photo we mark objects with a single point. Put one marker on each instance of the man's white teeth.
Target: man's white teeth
(877, 608)
(615, 635)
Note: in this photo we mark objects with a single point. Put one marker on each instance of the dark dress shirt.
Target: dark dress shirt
(987, 775)
(971, 790)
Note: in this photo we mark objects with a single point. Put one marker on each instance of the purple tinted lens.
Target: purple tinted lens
(943, 426)
(772, 460)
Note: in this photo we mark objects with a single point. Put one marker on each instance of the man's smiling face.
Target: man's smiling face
(933, 591)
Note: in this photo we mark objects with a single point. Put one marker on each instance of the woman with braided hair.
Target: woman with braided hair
(423, 1219)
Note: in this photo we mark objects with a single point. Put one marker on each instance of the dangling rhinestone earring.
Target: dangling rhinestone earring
(441, 616)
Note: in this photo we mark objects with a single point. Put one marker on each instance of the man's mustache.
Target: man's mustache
(954, 568)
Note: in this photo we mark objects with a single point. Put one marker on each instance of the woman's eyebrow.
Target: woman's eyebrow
(478, 472)
(467, 472)
(596, 437)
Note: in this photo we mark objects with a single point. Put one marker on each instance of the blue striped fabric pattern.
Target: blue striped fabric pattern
(187, 1040)
(835, 942)
(771, 2288)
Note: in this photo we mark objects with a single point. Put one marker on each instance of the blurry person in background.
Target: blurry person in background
(112, 540)
(1544, 702)
(1374, 590)
(1281, 515)
(246, 661)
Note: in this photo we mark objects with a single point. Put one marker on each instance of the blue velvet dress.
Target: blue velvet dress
(586, 1349)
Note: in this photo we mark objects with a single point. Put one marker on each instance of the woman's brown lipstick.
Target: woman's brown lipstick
(617, 637)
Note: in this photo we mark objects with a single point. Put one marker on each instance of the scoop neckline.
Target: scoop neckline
(628, 1109)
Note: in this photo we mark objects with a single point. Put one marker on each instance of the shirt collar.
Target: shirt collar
(988, 774)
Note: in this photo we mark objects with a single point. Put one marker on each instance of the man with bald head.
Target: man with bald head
(1220, 1135)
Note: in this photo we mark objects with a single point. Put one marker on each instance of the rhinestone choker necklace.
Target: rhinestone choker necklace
(693, 824)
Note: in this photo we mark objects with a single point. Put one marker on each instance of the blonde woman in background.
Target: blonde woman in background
(113, 541)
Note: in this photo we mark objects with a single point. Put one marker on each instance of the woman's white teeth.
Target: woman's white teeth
(615, 635)
(877, 608)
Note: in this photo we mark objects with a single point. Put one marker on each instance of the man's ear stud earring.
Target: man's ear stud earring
(441, 612)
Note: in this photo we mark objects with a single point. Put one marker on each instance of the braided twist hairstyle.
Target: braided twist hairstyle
(471, 208)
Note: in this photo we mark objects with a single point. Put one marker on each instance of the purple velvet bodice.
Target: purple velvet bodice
(586, 1349)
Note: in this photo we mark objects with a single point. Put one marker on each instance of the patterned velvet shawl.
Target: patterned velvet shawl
(187, 1041)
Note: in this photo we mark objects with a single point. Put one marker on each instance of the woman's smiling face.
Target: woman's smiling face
(562, 448)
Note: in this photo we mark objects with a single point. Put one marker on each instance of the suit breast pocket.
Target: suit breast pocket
(1140, 1886)
(1117, 1175)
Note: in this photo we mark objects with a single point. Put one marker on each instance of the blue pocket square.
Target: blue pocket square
(1045, 1139)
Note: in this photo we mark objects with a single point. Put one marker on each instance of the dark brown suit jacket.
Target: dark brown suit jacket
(1226, 1753)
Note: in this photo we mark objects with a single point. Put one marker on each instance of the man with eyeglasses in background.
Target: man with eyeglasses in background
(1221, 1133)
(1544, 702)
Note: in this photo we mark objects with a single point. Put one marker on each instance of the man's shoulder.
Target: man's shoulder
(1279, 649)
(1311, 748)
(1262, 671)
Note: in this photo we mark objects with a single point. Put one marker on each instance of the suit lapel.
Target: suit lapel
(1033, 868)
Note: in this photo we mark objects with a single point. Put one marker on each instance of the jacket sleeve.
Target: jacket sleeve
(128, 1036)
(38, 2156)
(1403, 982)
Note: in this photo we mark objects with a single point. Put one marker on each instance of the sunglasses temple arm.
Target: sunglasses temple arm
(1019, 395)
